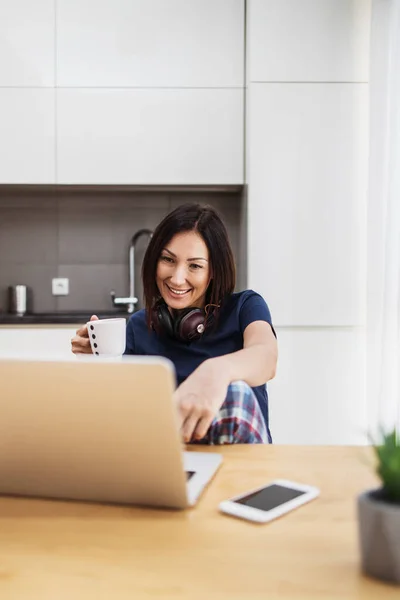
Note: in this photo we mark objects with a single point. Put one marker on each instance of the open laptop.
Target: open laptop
(97, 430)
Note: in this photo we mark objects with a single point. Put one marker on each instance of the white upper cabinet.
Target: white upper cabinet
(307, 176)
(150, 43)
(150, 136)
(27, 140)
(27, 43)
(308, 40)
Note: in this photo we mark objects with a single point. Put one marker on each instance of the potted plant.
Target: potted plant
(379, 515)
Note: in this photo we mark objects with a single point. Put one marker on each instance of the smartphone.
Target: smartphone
(270, 501)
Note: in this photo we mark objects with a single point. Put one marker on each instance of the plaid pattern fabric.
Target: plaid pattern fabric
(239, 420)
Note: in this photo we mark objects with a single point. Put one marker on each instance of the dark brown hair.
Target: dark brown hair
(205, 221)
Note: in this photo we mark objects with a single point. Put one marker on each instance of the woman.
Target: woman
(222, 343)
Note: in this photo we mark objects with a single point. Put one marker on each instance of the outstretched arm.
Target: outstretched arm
(202, 394)
(256, 363)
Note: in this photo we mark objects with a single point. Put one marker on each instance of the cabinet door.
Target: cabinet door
(150, 43)
(27, 48)
(318, 394)
(311, 40)
(307, 178)
(27, 141)
(31, 342)
(150, 136)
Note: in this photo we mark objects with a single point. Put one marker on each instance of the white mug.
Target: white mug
(107, 336)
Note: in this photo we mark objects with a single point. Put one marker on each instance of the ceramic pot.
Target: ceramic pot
(379, 536)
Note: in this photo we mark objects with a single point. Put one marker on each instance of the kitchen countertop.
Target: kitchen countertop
(70, 317)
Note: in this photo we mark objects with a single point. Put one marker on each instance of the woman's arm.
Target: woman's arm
(202, 394)
(256, 363)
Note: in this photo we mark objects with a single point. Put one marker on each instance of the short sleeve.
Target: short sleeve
(254, 308)
(130, 338)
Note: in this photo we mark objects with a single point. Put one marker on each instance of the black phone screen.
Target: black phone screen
(270, 497)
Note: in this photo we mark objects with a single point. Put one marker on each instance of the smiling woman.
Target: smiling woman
(222, 343)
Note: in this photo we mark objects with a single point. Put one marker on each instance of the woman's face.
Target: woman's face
(184, 271)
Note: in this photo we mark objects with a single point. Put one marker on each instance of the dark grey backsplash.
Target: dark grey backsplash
(84, 235)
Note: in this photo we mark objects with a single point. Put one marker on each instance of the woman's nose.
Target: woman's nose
(178, 276)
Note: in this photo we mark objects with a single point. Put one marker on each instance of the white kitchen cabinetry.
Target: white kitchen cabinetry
(307, 178)
(150, 43)
(29, 342)
(150, 136)
(27, 140)
(150, 93)
(310, 40)
(317, 396)
(27, 49)
(307, 172)
(122, 92)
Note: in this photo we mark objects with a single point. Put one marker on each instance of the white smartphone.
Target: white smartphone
(270, 501)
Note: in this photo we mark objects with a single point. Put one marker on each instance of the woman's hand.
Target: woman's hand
(200, 397)
(80, 343)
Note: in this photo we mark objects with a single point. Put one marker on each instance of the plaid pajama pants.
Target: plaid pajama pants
(239, 420)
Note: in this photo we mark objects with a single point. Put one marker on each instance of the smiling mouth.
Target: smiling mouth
(178, 292)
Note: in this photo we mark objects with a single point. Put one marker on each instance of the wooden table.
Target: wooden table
(60, 550)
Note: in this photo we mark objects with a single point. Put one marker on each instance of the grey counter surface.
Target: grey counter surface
(59, 317)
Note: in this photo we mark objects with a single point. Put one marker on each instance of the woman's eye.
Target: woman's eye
(167, 259)
(195, 267)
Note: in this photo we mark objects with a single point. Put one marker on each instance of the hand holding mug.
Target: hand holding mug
(80, 343)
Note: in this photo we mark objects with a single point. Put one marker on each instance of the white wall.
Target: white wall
(306, 169)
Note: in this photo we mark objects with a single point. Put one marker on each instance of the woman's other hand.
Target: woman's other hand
(80, 343)
(200, 397)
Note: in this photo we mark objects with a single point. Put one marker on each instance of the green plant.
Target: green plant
(388, 467)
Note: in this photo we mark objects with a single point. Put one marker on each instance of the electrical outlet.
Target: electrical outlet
(60, 286)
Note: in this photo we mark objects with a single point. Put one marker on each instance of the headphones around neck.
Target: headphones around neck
(188, 326)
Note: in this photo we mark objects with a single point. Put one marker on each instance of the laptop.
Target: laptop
(93, 429)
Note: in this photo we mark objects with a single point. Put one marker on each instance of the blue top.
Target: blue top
(237, 312)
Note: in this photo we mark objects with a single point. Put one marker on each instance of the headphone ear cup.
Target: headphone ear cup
(190, 325)
(164, 320)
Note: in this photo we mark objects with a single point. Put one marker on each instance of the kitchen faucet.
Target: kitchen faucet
(131, 300)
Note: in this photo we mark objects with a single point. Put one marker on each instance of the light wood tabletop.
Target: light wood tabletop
(51, 550)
